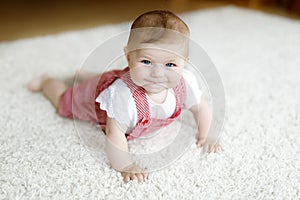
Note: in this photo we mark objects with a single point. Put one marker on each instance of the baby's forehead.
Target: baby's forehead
(161, 38)
(153, 51)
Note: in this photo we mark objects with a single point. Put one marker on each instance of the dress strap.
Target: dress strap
(104, 81)
(139, 97)
(180, 94)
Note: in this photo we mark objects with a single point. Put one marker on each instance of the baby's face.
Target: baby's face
(155, 69)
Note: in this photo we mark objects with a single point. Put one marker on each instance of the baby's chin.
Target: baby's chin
(154, 89)
(157, 88)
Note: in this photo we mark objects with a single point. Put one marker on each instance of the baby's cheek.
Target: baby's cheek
(137, 76)
(175, 74)
(174, 81)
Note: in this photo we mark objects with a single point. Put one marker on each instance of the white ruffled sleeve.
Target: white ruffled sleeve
(118, 103)
(193, 92)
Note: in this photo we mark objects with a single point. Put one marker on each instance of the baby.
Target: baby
(143, 97)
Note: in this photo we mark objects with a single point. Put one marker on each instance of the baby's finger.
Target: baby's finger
(133, 177)
(209, 149)
(145, 175)
(215, 149)
(126, 178)
(140, 177)
(220, 148)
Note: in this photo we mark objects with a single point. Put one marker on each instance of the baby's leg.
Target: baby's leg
(52, 88)
(84, 75)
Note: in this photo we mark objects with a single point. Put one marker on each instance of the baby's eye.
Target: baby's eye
(171, 65)
(146, 62)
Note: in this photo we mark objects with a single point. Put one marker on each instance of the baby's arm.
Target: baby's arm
(117, 152)
(203, 117)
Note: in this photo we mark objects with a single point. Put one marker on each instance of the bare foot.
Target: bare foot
(36, 84)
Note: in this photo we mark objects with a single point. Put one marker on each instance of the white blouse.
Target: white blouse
(119, 104)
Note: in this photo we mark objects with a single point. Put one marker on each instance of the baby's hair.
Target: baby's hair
(161, 19)
(159, 26)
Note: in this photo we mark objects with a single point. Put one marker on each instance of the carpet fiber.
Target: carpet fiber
(258, 58)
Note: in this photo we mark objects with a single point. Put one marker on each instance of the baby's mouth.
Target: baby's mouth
(157, 82)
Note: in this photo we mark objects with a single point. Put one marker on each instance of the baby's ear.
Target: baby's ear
(187, 59)
(125, 50)
(126, 53)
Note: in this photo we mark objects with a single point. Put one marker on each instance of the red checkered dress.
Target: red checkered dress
(84, 106)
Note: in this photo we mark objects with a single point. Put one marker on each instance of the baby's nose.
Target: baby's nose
(157, 70)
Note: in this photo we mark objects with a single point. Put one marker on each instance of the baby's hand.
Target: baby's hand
(134, 172)
(209, 145)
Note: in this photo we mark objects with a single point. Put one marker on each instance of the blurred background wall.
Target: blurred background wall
(29, 18)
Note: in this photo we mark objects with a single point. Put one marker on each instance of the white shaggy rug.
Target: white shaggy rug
(258, 57)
